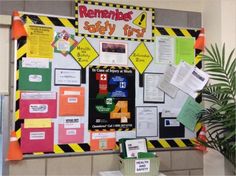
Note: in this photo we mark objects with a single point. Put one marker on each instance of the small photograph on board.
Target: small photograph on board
(113, 53)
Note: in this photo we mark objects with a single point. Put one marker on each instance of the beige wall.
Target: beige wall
(4, 56)
(186, 162)
(228, 23)
(185, 5)
(220, 24)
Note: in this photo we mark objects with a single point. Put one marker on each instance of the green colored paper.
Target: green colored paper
(188, 113)
(35, 78)
(184, 50)
(146, 155)
(123, 152)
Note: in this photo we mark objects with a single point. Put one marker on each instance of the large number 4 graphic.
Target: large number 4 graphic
(120, 111)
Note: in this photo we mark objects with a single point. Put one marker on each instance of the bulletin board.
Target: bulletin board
(80, 82)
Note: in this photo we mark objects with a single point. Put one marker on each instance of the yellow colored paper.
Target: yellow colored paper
(141, 58)
(39, 41)
(37, 123)
(84, 53)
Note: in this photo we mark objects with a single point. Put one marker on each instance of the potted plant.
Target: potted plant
(220, 104)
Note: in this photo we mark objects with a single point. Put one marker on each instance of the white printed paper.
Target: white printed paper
(71, 132)
(37, 135)
(38, 95)
(151, 91)
(67, 92)
(170, 112)
(67, 77)
(72, 100)
(146, 121)
(171, 123)
(35, 63)
(142, 166)
(104, 135)
(189, 79)
(38, 108)
(35, 78)
(180, 73)
(164, 83)
(165, 49)
(71, 122)
(125, 134)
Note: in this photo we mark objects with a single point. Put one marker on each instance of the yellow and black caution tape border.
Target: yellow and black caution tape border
(77, 2)
(85, 147)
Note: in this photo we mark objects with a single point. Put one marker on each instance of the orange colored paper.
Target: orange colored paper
(120, 111)
(71, 101)
(102, 140)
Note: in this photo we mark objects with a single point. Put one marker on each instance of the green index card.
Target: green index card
(188, 113)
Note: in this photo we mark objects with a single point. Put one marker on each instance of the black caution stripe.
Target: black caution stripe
(111, 67)
(169, 143)
(18, 124)
(48, 21)
(176, 32)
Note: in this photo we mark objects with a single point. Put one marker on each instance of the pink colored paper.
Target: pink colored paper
(65, 138)
(41, 145)
(25, 105)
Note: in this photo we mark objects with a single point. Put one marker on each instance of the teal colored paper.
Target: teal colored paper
(188, 113)
(24, 78)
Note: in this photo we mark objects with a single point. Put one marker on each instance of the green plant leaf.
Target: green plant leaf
(223, 55)
(229, 60)
(220, 116)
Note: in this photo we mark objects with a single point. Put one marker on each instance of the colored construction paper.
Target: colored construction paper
(184, 50)
(39, 41)
(71, 101)
(38, 123)
(188, 113)
(38, 105)
(71, 135)
(32, 77)
(102, 140)
(37, 139)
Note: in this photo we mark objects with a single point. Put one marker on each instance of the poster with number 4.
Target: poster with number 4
(111, 98)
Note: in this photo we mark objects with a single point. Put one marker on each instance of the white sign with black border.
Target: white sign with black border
(142, 166)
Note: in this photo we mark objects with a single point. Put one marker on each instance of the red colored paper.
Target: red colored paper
(37, 139)
(30, 108)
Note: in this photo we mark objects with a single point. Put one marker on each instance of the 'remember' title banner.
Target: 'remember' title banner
(103, 20)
